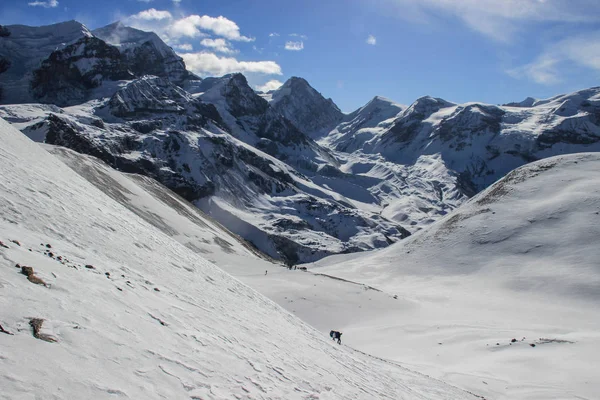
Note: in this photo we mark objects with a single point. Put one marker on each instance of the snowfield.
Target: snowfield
(517, 261)
(135, 314)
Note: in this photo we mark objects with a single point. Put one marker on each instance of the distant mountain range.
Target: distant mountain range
(286, 170)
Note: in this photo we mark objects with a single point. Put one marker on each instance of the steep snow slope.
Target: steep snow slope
(163, 209)
(517, 260)
(148, 318)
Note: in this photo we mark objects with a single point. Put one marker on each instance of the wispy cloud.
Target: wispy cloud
(45, 4)
(184, 47)
(145, 1)
(294, 46)
(550, 66)
(372, 40)
(273, 34)
(298, 35)
(500, 19)
(220, 45)
(209, 64)
(273, 84)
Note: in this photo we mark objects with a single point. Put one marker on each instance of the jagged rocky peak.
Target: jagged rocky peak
(305, 107)
(68, 74)
(240, 99)
(145, 52)
(149, 94)
(158, 102)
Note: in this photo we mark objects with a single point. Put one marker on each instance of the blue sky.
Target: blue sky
(351, 50)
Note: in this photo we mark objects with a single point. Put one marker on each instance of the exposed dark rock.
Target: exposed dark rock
(36, 325)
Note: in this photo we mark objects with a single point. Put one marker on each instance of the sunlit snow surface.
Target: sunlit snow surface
(202, 334)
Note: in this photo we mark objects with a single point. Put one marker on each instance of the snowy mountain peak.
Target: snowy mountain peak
(144, 51)
(528, 102)
(305, 107)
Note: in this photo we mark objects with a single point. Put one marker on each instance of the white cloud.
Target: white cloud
(145, 1)
(151, 14)
(220, 45)
(209, 64)
(550, 66)
(176, 2)
(173, 29)
(372, 40)
(45, 4)
(184, 47)
(273, 34)
(273, 84)
(192, 25)
(500, 19)
(294, 46)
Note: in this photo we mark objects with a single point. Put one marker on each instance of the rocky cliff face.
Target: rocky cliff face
(305, 107)
(68, 75)
(144, 52)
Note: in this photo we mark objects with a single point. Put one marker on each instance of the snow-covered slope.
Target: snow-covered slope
(517, 260)
(363, 124)
(163, 209)
(129, 312)
(305, 107)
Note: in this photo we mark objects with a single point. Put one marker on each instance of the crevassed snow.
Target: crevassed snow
(163, 323)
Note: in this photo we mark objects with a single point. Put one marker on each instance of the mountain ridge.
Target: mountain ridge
(290, 168)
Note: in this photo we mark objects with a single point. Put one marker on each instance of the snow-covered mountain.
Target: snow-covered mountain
(66, 64)
(305, 107)
(227, 157)
(517, 261)
(26, 48)
(484, 142)
(145, 53)
(287, 169)
(114, 307)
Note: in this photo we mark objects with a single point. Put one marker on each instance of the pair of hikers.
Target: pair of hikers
(336, 335)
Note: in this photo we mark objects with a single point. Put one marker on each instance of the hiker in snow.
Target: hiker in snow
(336, 335)
(266, 272)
